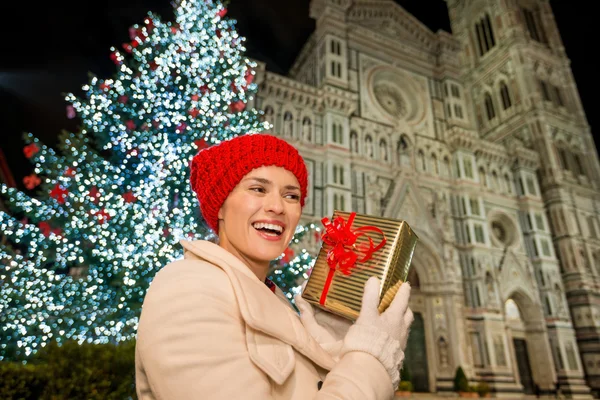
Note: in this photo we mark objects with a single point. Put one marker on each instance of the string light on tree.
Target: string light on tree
(113, 200)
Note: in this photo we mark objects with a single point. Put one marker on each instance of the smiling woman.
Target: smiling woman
(213, 326)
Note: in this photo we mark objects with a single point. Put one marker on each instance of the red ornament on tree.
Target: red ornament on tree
(201, 144)
(30, 150)
(174, 29)
(153, 65)
(222, 12)
(70, 172)
(218, 33)
(166, 232)
(71, 112)
(127, 47)
(94, 194)
(149, 24)
(123, 99)
(59, 193)
(102, 216)
(114, 56)
(288, 255)
(237, 106)
(104, 86)
(249, 76)
(204, 89)
(44, 226)
(31, 181)
(130, 125)
(195, 97)
(129, 197)
(194, 112)
(181, 127)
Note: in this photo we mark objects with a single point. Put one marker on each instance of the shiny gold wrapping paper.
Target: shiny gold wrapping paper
(390, 264)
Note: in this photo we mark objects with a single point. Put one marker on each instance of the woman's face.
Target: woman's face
(259, 217)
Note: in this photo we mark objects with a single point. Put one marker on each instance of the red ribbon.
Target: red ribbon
(344, 252)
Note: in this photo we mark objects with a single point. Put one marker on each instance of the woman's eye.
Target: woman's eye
(258, 189)
(293, 196)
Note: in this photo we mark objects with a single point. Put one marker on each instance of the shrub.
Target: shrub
(20, 381)
(405, 374)
(483, 388)
(73, 371)
(461, 383)
(405, 386)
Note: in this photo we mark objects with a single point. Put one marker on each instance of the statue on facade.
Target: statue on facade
(307, 129)
(376, 191)
(288, 124)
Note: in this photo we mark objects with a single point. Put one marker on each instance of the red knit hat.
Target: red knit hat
(216, 170)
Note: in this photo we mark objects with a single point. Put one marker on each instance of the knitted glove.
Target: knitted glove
(326, 328)
(383, 335)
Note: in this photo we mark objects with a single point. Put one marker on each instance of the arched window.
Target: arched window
(334, 133)
(335, 174)
(484, 34)
(505, 95)
(578, 165)
(489, 107)
(340, 138)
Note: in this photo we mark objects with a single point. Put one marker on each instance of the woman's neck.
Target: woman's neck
(258, 267)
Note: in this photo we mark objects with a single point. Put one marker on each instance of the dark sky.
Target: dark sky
(48, 49)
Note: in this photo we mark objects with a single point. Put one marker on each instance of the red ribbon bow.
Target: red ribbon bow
(345, 252)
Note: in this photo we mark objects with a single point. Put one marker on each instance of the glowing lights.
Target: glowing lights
(114, 200)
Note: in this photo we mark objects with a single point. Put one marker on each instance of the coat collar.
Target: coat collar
(257, 305)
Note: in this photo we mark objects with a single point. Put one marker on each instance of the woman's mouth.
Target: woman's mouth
(269, 230)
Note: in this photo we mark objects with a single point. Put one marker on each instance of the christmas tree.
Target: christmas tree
(112, 201)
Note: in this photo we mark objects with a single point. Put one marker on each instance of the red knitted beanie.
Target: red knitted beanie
(216, 170)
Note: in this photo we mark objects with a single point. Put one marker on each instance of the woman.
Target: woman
(214, 327)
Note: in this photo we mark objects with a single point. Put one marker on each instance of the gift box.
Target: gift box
(356, 247)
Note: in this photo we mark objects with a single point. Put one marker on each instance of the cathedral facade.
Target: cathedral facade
(478, 140)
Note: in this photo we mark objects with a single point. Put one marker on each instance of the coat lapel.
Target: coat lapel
(259, 308)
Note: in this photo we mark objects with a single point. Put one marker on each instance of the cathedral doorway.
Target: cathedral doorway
(517, 329)
(416, 355)
(523, 365)
(416, 349)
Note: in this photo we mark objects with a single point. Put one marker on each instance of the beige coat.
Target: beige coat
(210, 329)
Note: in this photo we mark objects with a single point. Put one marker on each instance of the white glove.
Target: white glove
(326, 328)
(384, 336)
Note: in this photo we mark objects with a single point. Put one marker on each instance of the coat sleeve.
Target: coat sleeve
(191, 344)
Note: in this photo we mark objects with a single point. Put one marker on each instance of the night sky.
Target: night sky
(48, 50)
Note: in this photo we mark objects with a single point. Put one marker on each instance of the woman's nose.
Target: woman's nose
(274, 203)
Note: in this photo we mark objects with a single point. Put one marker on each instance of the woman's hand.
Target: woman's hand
(384, 335)
(324, 327)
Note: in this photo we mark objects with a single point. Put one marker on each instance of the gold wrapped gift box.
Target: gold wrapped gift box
(341, 294)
